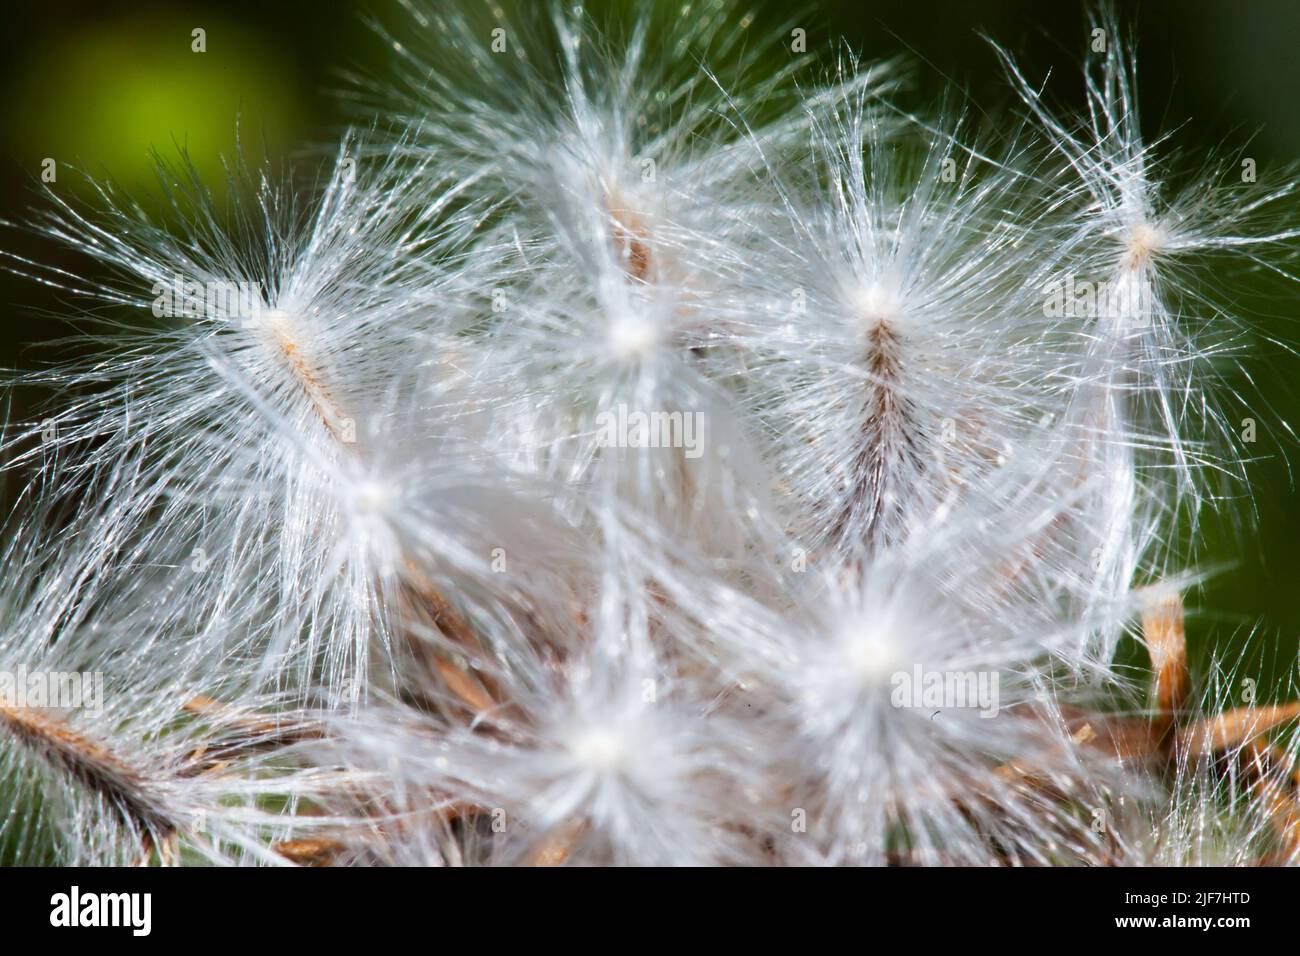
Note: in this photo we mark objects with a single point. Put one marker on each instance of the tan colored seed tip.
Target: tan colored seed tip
(1144, 241)
(1166, 639)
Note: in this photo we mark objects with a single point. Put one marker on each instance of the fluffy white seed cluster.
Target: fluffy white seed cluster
(639, 453)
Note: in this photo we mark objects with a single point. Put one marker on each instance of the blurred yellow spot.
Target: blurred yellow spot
(102, 98)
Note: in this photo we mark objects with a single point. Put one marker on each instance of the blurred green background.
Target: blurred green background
(98, 86)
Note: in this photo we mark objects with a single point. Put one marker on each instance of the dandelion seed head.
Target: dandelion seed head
(878, 307)
(643, 450)
(373, 497)
(603, 751)
(873, 653)
(633, 337)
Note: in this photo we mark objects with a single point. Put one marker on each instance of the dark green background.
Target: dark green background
(99, 85)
